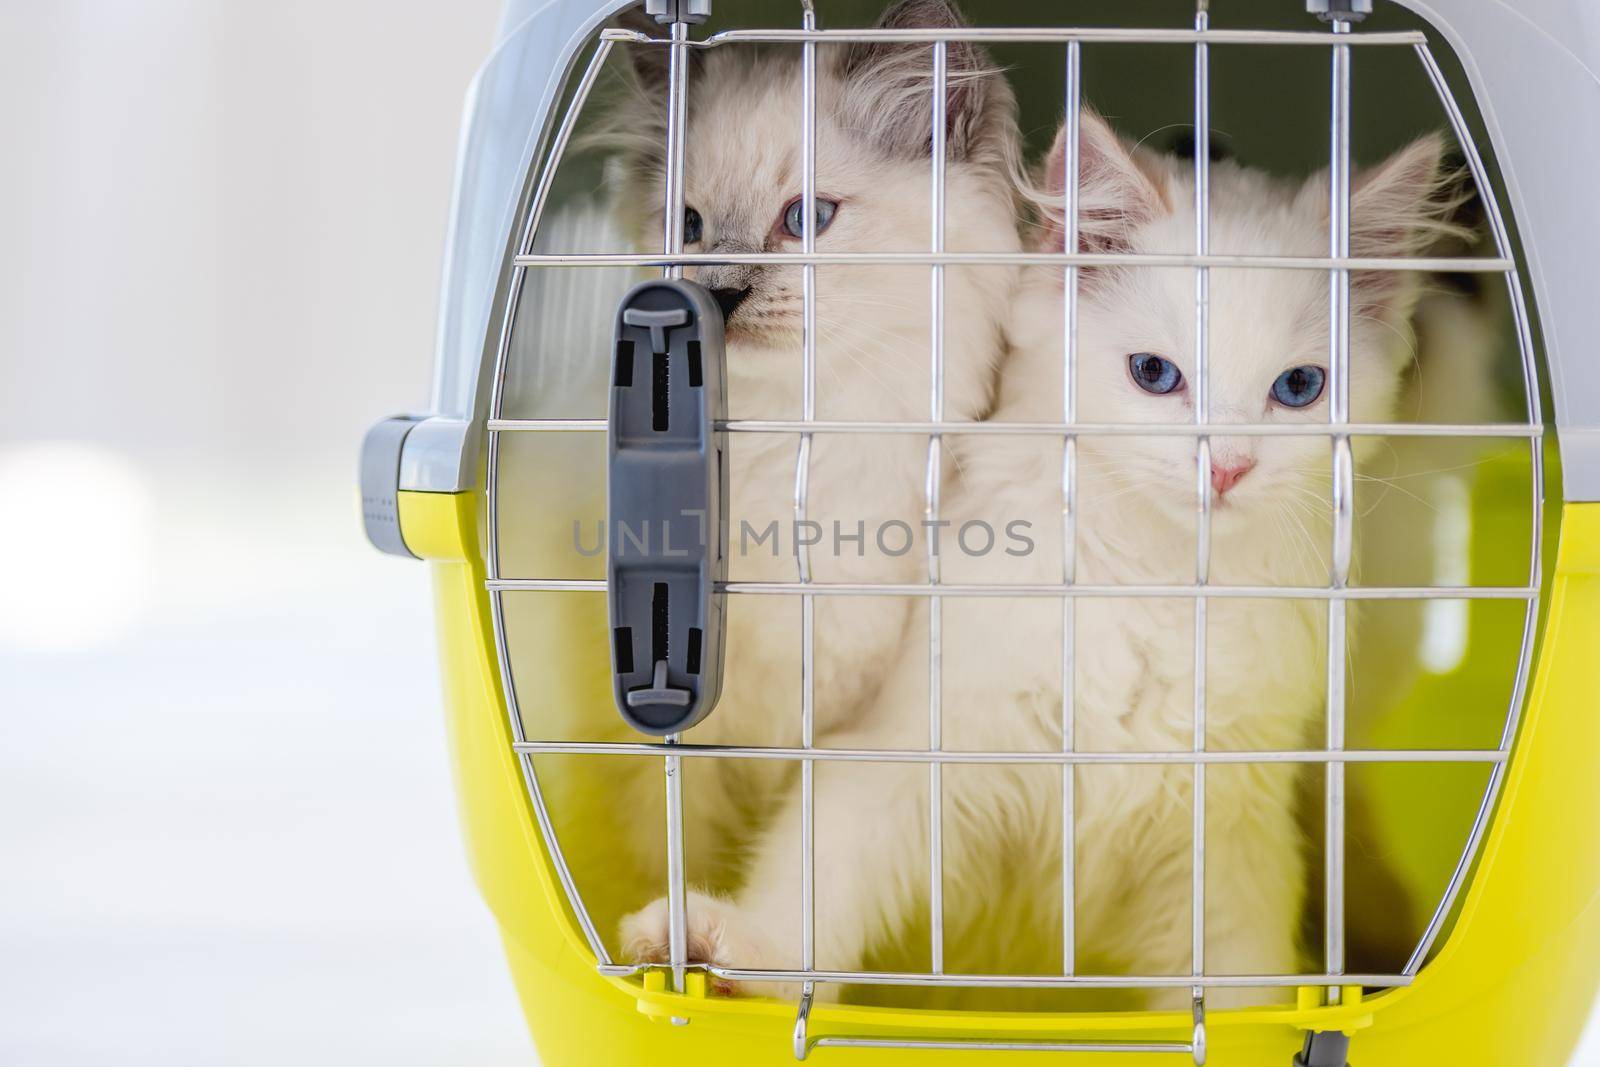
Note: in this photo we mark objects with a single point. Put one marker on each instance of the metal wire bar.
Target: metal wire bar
(977, 1045)
(1202, 464)
(935, 473)
(569, 885)
(1437, 264)
(1519, 311)
(802, 1021)
(1069, 509)
(492, 561)
(802, 483)
(1031, 589)
(1498, 230)
(1026, 35)
(558, 146)
(1063, 429)
(1033, 981)
(1067, 759)
(530, 229)
(803, 1042)
(677, 121)
(1343, 491)
(530, 777)
(677, 891)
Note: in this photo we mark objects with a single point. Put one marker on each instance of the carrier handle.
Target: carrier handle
(1195, 1047)
(666, 527)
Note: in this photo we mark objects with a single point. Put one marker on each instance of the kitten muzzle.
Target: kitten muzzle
(1224, 476)
(729, 299)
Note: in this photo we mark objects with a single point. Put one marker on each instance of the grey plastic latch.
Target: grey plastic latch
(380, 483)
(1339, 10)
(1324, 1048)
(668, 11)
(667, 521)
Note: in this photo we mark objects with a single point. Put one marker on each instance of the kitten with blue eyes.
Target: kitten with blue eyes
(1265, 659)
(742, 193)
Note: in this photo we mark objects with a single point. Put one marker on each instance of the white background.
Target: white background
(226, 826)
(227, 830)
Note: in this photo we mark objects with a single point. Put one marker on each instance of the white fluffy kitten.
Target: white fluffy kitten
(1135, 525)
(743, 178)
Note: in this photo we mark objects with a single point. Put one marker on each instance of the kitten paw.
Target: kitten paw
(719, 936)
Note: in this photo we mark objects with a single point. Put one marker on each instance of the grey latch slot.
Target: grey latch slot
(666, 531)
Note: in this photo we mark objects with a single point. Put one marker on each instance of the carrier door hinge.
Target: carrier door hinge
(670, 11)
(666, 527)
(1339, 10)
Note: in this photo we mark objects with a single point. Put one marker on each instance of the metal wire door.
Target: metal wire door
(1336, 43)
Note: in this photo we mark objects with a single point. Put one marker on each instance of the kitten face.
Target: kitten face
(743, 179)
(1264, 325)
(744, 166)
(1267, 353)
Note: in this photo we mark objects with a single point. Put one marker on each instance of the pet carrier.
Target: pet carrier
(1484, 819)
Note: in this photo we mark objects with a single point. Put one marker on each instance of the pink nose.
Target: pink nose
(1226, 476)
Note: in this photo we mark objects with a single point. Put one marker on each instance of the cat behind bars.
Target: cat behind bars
(742, 194)
(1135, 526)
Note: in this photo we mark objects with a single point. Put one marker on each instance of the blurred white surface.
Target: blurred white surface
(230, 834)
(1587, 1053)
(227, 831)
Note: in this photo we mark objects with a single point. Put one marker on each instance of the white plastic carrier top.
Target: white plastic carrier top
(1532, 67)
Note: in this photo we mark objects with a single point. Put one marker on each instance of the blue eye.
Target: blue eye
(1154, 374)
(794, 216)
(1298, 387)
(694, 227)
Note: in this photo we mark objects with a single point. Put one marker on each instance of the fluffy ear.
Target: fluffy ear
(1404, 206)
(651, 62)
(887, 91)
(1115, 192)
(634, 126)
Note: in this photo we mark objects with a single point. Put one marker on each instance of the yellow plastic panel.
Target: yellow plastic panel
(1512, 985)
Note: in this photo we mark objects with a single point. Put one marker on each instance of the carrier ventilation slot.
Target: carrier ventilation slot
(622, 638)
(660, 392)
(624, 377)
(696, 376)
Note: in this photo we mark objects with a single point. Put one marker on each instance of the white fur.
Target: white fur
(873, 352)
(1265, 661)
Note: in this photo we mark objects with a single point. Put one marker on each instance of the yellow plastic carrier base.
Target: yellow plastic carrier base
(1510, 987)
